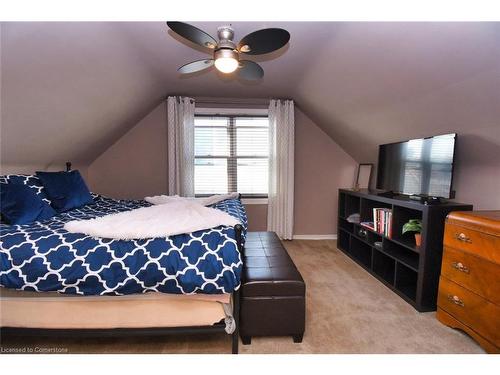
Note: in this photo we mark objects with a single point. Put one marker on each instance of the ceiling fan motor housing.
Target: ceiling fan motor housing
(225, 33)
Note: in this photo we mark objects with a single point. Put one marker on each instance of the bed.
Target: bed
(185, 283)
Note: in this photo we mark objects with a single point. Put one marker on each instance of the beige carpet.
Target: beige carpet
(348, 311)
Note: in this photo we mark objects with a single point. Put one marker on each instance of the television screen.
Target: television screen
(419, 166)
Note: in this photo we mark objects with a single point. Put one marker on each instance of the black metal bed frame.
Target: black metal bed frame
(150, 331)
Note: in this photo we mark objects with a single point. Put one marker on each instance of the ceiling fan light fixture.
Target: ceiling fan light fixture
(226, 60)
(226, 64)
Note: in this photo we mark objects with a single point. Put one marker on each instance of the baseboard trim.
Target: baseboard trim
(315, 237)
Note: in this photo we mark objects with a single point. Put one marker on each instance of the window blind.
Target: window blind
(231, 154)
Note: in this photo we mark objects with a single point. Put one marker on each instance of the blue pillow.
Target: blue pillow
(31, 181)
(21, 205)
(66, 190)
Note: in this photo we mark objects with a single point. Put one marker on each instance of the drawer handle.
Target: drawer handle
(463, 237)
(456, 300)
(460, 267)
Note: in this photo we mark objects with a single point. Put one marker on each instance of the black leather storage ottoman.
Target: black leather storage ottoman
(272, 292)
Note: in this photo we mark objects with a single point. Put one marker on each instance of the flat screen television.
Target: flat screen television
(418, 167)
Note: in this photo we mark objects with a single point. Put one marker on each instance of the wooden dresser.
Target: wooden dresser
(469, 286)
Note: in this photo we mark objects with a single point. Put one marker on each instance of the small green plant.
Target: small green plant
(414, 225)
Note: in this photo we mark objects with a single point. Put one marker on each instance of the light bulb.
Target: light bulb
(226, 64)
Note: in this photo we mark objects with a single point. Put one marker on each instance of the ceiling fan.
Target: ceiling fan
(226, 53)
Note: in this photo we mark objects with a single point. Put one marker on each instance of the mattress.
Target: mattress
(43, 256)
(23, 309)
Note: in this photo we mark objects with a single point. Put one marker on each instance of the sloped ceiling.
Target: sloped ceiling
(69, 90)
(379, 83)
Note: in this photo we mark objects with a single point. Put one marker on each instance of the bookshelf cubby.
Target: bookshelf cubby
(401, 254)
(402, 215)
(406, 281)
(361, 251)
(366, 235)
(384, 266)
(411, 272)
(368, 206)
(351, 205)
(343, 241)
(345, 225)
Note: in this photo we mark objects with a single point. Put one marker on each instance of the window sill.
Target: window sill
(249, 201)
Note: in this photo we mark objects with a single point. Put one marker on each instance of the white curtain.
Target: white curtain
(180, 133)
(281, 168)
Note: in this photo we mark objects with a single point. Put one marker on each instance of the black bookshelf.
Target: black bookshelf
(411, 272)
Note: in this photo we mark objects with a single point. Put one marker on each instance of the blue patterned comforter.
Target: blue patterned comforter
(42, 256)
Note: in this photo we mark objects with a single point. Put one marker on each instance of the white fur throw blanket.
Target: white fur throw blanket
(162, 199)
(163, 220)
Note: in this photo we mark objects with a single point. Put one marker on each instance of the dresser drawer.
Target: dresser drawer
(472, 241)
(470, 309)
(473, 273)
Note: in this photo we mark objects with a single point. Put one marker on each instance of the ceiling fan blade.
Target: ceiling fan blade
(263, 41)
(193, 34)
(196, 66)
(250, 70)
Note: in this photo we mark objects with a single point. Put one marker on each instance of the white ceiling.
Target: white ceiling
(69, 90)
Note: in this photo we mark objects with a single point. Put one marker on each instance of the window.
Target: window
(231, 154)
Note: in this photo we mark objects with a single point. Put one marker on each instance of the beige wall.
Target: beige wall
(476, 176)
(136, 166)
(257, 217)
(321, 168)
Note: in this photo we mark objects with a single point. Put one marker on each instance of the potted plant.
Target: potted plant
(414, 225)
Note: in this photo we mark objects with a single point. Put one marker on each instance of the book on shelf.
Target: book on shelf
(368, 224)
(382, 221)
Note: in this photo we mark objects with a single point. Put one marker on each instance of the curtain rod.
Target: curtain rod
(231, 101)
(236, 101)
(258, 101)
(242, 103)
